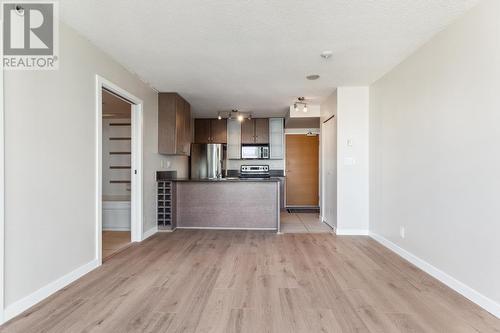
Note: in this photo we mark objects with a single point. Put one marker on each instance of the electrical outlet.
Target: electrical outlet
(162, 164)
(402, 232)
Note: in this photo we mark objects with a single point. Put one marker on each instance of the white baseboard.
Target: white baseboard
(115, 228)
(27, 302)
(460, 287)
(149, 233)
(226, 228)
(352, 232)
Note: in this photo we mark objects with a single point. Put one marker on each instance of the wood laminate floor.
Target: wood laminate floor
(243, 281)
(113, 242)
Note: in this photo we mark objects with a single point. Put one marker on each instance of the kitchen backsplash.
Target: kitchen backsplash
(273, 164)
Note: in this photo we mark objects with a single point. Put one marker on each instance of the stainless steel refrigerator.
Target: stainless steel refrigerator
(208, 161)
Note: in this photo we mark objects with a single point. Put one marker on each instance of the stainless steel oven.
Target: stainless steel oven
(255, 152)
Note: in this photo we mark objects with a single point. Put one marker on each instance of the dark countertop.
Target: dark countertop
(223, 180)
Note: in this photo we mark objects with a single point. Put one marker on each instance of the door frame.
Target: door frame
(302, 131)
(323, 174)
(2, 187)
(136, 205)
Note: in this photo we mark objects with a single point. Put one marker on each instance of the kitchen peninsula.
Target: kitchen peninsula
(224, 203)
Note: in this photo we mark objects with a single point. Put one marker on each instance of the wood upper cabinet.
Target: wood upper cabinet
(174, 125)
(248, 131)
(255, 131)
(218, 131)
(202, 130)
(210, 131)
(262, 130)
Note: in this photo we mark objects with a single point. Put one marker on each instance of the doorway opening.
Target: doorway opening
(119, 164)
(302, 184)
(302, 171)
(116, 173)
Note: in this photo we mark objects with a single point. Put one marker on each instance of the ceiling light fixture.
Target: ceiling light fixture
(234, 114)
(300, 101)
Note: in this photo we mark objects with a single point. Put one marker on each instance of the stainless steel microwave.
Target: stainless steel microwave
(254, 152)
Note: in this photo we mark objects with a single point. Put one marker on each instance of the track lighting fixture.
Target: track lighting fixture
(234, 114)
(300, 101)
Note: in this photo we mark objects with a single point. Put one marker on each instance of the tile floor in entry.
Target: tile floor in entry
(303, 223)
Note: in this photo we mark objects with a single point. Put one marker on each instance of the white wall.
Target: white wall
(434, 156)
(329, 106)
(50, 164)
(352, 160)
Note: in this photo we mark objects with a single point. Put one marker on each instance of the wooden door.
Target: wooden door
(202, 130)
(262, 130)
(218, 131)
(248, 131)
(302, 170)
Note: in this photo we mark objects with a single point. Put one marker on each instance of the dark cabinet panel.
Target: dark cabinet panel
(262, 130)
(188, 136)
(210, 131)
(202, 130)
(255, 131)
(174, 124)
(218, 131)
(248, 131)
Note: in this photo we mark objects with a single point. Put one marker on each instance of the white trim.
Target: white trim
(2, 185)
(27, 302)
(149, 233)
(352, 232)
(136, 158)
(224, 228)
(115, 229)
(483, 301)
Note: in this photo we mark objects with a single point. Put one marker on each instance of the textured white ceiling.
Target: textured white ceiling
(254, 54)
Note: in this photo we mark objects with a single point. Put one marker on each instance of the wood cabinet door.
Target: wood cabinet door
(202, 130)
(166, 124)
(262, 130)
(187, 128)
(302, 170)
(179, 126)
(248, 131)
(218, 130)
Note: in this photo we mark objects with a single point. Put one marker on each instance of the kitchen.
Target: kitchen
(236, 170)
